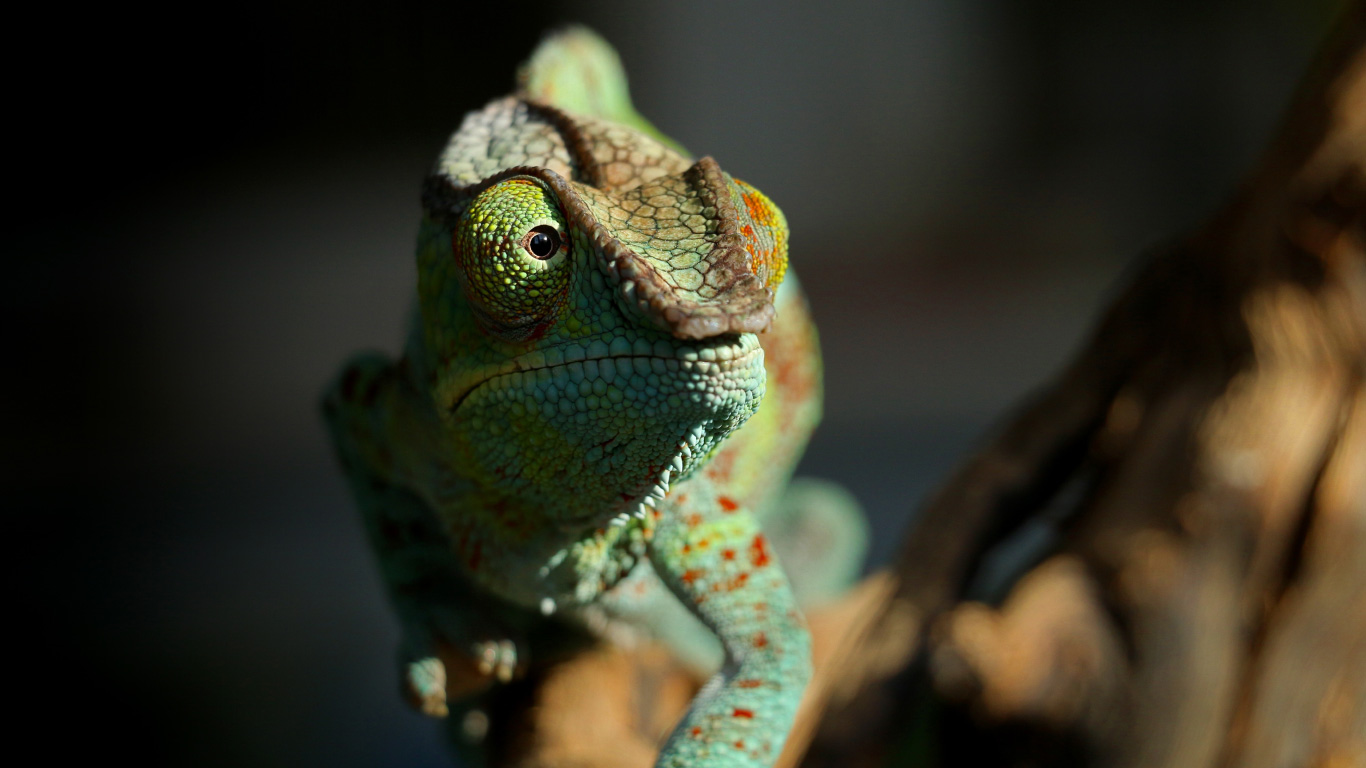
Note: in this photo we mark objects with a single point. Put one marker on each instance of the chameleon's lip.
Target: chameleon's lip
(711, 359)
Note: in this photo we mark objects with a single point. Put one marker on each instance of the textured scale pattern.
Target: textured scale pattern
(507, 133)
(515, 287)
(608, 382)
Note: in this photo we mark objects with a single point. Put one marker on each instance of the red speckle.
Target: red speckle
(694, 520)
(695, 732)
(758, 551)
(682, 498)
(727, 554)
(739, 745)
(690, 575)
(739, 580)
(748, 683)
(748, 714)
(760, 640)
(727, 503)
(539, 330)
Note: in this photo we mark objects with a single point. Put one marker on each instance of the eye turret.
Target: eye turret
(513, 256)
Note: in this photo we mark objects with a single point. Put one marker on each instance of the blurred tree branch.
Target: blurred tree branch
(1206, 600)
(1201, 466)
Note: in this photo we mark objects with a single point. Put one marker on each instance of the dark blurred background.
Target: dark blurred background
(215, 207)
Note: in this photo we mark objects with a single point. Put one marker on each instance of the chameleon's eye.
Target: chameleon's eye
(542, 242)
(513, 258)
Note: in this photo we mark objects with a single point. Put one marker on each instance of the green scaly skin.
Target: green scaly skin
(577, 417)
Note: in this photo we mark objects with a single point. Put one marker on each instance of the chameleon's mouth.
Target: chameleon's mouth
(599, 369)
(609, 431)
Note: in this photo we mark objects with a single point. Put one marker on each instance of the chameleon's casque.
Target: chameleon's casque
(582, 402)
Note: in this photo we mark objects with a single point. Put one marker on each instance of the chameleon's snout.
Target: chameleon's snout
(689, 254)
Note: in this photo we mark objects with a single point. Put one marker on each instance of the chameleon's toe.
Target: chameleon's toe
(497, 658)
(424, 685)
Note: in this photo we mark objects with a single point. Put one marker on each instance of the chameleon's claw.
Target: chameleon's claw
(424, 684)
(486, 655)
(497, 658)
(507, 661)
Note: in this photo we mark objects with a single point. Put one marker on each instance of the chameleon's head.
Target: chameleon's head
(591, 338)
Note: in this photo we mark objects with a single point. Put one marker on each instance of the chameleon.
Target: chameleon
(609, 377)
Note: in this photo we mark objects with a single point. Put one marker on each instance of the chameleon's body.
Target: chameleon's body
(564, 428)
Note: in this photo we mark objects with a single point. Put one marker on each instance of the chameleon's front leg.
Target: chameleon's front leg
(713, 556)
(457, 639)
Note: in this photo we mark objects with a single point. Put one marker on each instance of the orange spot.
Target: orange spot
(748, 683)
(758, 209)
(739, 745)
(745, 713)
(695, 732)
(758, 551)
(690, 575)
(760, 640)
(727, 503)
(704, 543)
(727, 554)
(738, 581)
(694, 520)
(682, 498)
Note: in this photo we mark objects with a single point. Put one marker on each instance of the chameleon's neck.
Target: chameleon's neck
(505, 545)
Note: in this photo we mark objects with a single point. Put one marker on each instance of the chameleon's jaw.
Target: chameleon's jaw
(715, 357)
(590, 437)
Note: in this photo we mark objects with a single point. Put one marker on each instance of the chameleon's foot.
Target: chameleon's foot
(497, 658)
(441, 667)
(424, 686)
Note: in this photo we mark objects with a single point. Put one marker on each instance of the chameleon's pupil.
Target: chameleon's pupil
(542, 244)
